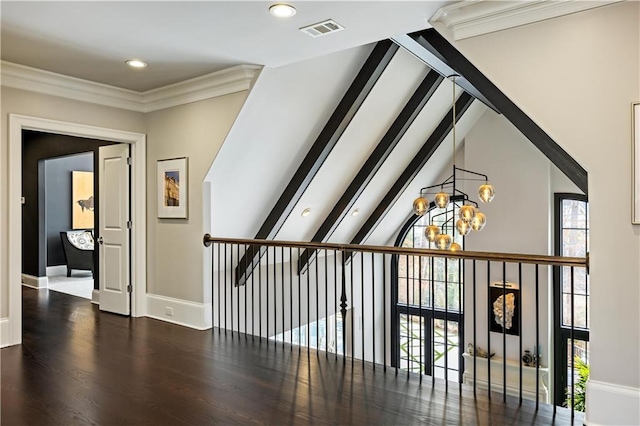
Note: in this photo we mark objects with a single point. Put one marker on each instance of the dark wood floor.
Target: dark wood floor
(79, 366)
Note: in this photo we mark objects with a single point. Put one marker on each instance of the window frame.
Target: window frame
(562, 333)
(429, 315)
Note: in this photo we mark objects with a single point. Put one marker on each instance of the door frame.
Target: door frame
(138, 241)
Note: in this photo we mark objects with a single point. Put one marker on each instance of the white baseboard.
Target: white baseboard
(5, 333)
(57, 270)
(35, 282)
(186, 313)
(609, 404)
(95, 297)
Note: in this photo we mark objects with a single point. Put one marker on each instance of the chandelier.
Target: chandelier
(470, 218)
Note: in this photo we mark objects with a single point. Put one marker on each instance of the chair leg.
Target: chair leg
(68, 272)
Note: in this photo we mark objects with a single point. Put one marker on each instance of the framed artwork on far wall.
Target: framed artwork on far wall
(504, 307)
(635, 196)
(81, 200)
(173, 188)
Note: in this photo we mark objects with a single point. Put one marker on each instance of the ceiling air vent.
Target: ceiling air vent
(322, 28)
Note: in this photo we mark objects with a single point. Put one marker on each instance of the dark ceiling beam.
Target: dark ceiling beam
(440, 65)
(396, 131)
(355, 96)
(435, 46)
(411, 171)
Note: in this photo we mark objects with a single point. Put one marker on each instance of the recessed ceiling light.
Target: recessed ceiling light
(281, 10)
(305, 212)
(136, 63)
(355, 212)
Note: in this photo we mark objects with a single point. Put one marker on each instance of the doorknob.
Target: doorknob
(100, 240)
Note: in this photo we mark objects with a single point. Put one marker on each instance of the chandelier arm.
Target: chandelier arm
(474, 173)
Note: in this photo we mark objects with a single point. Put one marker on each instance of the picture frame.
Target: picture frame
(635, 130)
(173, 188)
(513, 303)
(82, 204)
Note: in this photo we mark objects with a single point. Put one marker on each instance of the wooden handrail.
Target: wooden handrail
(463, 254)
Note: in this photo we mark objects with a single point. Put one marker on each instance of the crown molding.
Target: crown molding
(219, 83)
(473, 18)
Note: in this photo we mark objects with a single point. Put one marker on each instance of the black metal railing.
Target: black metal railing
(466, 317)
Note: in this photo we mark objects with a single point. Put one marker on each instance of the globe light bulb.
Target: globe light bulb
(455, 247)
(463, 227)
(467, 212)
(431, 232)
(478, 222)
(443, 241)
(442, 200)
(486, 193)
(420, 206)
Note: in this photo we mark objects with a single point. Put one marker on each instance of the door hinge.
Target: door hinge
(128, 161)
(129, 224)
(129, 288)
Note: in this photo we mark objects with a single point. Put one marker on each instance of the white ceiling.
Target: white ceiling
(182, 40)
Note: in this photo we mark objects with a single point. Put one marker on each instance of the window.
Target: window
(427, 304)
(571, 292)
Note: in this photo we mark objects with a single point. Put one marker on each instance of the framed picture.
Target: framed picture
(504, 308)
(81, 200)
(635, 197)
(173, 188)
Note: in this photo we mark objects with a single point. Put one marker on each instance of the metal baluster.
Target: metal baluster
(267, 291)
(231, 289)
(504, 333)
(446, 323)
(384, 311)
(489, 332)
(335, 305)
(299, 307)
(225, 289)
(361, 302)
(432, 338)
(352, 322)
(326, 304)
(521, 327)
(245, 298)
(284, 333)
(420, 311)
(373, 309)
(253, 300)
(317, 307)
(537, 336)
(409, 326)
(308, 326)
(343, 308)
(475, 318)
(461, 311)
(219, 282)
(573, 347)
(290, 299)
(238, 287)
(260, 293)
(275, 298)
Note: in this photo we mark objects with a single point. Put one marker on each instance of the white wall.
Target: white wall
(174, 246)
(518, 221)
(576, 76)
(16, 101)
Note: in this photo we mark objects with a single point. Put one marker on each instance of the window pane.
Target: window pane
(579, 311)
(411, 343)
(446, 349)
(580, 280)
(574, 243)
(574, 214)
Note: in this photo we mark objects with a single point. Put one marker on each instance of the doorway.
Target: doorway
(137, 142)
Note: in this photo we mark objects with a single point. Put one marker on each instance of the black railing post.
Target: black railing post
(343, 307)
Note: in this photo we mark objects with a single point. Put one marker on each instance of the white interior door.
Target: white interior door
(113, 241)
